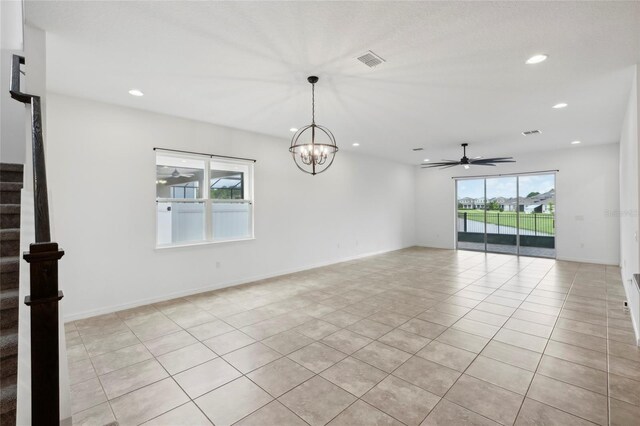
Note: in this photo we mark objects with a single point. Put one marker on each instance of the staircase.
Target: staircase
(10, 186)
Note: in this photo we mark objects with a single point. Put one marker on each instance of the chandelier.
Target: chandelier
(313, 147)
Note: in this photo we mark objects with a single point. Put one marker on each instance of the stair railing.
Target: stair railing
(43, 256)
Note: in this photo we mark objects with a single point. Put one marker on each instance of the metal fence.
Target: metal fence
(542, 224)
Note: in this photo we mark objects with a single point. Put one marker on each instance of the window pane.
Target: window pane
(180, 222)
(229, 181)
(178, 177)
(231, 220)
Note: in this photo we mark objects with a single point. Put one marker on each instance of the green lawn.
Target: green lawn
(542, 222)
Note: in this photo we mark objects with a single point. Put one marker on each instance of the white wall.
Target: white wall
(629, 248)
(12, 113)
(101, 167)
(586, 194)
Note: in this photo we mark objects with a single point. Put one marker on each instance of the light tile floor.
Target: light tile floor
(416, 337)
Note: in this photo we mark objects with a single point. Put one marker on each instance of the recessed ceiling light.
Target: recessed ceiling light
(560, 105)
(575, 142)
(426, 160)
(466, 166)
(478, 157)
(293, 129)
(536, 59)
(356, 144)
(136, 92)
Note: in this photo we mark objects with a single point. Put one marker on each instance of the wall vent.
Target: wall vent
(370, 59)
(531, 132)
(417, 149)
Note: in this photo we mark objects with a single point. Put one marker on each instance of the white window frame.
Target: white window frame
(209, 237)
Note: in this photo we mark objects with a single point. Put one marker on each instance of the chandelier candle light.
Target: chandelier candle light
(313, 147)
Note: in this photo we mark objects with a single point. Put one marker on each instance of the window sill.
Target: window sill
(203, 243)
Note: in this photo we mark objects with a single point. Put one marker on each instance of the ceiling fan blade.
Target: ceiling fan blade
(440, 164)
(483, 164)
(491, 160)
(444, 162)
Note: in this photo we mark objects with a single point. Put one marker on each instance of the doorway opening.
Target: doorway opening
(512, 214)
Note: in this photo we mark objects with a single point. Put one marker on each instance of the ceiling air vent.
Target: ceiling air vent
(531, 132)
(418, 149)
(370, 59)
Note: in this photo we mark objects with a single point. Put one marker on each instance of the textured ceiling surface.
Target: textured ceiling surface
(454, 71)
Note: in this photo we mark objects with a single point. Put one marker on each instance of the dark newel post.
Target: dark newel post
(43, 301)
(465, 221)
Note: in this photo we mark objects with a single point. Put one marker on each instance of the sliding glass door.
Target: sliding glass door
(507, 214)
(501, 216)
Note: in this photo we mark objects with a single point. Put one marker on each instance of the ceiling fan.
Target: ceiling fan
(466, 162)
(176, 174)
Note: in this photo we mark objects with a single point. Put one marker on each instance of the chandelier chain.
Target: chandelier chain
(313, 103)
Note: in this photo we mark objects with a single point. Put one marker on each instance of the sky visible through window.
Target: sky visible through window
(505, 186)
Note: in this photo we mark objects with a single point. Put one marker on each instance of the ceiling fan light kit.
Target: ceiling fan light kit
(313, 147)
(466, 162)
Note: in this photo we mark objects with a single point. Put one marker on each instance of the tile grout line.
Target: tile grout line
(547, 343)
(478, 354)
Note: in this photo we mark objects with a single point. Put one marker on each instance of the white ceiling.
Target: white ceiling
(455, 71)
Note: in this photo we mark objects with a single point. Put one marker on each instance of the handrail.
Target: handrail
(40, 196)
(43, 256)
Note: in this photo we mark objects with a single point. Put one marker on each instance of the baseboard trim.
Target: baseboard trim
(596, 261)
(226, 284)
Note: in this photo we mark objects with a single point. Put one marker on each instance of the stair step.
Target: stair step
(7, 397)
(9, 343)
(9, 248)
(9, 272)
(9, 313)
(11, 172)
(9, 299)
(10, 186)
(9, 368)
(10, 318)
(11, 167)
(9, 264)
(9, 280)
(9, 216)
(9, 242)
(10, 209)
(8, 176)
(10, 192)
(10, 234)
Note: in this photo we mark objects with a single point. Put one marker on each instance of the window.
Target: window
(188, 213)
